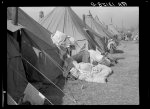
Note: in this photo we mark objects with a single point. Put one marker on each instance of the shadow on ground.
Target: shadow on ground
(118, 51)
(119, 58)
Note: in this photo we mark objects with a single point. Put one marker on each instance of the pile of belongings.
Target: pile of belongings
(89, 66)
(90, 72)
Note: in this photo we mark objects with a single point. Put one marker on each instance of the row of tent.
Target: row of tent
(65, 20)
(24, 65)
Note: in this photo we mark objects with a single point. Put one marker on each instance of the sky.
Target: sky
(126, 16)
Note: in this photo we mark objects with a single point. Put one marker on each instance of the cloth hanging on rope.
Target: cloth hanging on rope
(60, 38)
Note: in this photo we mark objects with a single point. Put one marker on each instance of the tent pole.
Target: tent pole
(15, 15)
(16, 34)
(84, 20)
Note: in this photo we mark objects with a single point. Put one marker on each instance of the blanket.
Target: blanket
(90, 73)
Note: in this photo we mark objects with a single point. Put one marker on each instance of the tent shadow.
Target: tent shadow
(118, 51)
(118, 58)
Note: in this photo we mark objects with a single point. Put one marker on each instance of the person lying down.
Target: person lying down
(90, 73)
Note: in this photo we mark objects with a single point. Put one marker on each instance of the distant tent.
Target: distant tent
(112, 29)
(93, 24)
(97, 20)
(23, 61)
(97, 27)
(65, 20)
(103, 26)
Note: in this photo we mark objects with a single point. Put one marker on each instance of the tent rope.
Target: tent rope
(31, 84)
(49, 80)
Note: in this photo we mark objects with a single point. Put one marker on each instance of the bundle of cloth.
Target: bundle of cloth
(90, 73)
(62, 40)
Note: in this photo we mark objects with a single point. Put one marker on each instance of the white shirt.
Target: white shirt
(95, 55)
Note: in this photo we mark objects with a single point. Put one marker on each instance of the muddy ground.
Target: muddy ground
(122, 87)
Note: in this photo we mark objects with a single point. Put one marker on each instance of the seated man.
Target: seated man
(111, 45)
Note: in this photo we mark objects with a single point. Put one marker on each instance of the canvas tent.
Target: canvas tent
(100, 22)
(16, 79)
(90, 22)
(112, 29)
(98, 28)
(23, 61)
(65, 20)
(103, 26)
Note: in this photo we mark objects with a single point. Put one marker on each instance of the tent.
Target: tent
(103, 26)
(10, 100)
(97, 27)
(16, 79)
(33, 34)
(65, 20)
(22, 60)
(100, 22)
(112, 29)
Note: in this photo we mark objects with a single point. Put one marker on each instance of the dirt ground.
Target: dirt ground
(122, 87)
